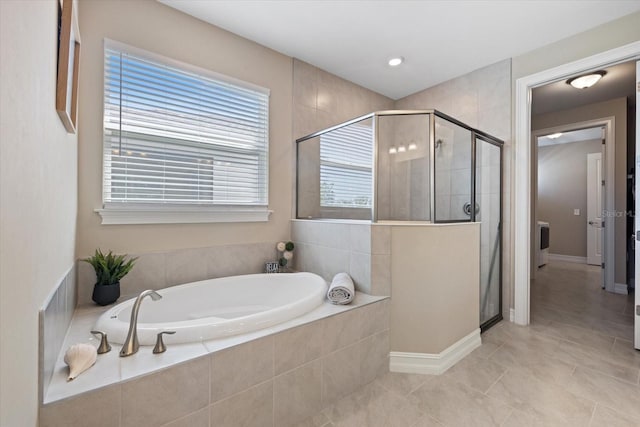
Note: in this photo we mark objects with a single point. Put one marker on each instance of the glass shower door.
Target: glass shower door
(488, 214)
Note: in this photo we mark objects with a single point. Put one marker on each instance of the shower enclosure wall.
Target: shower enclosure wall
(409, 167)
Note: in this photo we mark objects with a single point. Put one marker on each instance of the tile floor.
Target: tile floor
(573, 366)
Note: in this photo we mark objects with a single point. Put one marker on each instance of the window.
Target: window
(181, 144)
(345, 167)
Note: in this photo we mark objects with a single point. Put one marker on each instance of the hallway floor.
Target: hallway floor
(573, 366)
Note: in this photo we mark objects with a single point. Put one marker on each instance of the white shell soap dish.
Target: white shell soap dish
(80, 357)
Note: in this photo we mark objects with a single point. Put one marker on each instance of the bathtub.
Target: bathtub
(217, 308)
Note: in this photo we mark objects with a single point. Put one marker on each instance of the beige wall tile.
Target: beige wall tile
(374, 356)
(381, 275)
(297, 346)
(237, 368)
(360, 271)
(196, 419)
(185, 266)
(375, 317)
(250, 408)
(100, 408)
(297, 394)
(166, 395)
(147, 273)
(360, 237)
(380, 239)
(341, 330)
(86, 277)
(340, 373)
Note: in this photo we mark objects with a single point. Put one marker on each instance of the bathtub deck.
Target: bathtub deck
(111, 369)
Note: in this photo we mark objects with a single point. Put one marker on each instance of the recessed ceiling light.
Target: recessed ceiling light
(394, 62)
(586, 80)
(554, 135)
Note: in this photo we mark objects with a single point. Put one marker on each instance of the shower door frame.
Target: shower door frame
(498, 143)
(475, 135)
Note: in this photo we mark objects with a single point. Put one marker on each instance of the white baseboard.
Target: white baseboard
(434, 364)
(568, 258)
(512, 315)
(621, 288)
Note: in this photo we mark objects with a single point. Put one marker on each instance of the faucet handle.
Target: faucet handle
(104, 346)
(160, 347)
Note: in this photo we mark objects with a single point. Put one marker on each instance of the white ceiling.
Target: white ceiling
(573, 136)
(440, 40)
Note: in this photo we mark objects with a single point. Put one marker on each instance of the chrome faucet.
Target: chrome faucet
(131, 344)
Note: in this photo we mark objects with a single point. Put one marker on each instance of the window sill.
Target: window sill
(137, 215)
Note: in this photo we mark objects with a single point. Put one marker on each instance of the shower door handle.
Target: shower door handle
(467, 208)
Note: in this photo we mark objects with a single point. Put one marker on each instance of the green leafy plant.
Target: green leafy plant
(110, 268)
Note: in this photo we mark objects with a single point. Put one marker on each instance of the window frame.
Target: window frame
(177, 213)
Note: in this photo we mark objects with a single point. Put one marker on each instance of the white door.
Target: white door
(595, 232)
(636, 308)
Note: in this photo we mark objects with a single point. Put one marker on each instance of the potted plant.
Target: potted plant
(109, 270)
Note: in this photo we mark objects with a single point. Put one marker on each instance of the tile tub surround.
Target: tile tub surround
(360, 248)
(278, 376)
(54, 320)
(158, 270)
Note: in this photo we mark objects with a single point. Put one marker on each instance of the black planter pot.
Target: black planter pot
(106, 294)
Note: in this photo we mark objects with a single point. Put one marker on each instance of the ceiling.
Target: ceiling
(572, 136)
(439, 39)
(620, 81)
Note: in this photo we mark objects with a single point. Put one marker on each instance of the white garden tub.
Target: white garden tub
(217, 308)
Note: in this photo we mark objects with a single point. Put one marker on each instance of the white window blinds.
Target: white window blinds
(346, 157)
(174, 136)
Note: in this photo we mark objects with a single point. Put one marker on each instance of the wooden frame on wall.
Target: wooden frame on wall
(68, 65)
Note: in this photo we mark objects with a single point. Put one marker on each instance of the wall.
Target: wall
(362, 249)
(321, 99)
(480, 99)
(149, 25)
(38, 186)
(618, 109)
(430, 288)
(562, 187)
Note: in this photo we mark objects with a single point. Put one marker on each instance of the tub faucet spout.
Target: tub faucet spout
(131, 344)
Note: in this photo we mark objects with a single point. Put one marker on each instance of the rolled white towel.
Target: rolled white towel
(341, 290)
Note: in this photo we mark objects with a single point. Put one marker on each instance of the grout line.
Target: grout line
(508, 416)
(593, 412)
(486, 393)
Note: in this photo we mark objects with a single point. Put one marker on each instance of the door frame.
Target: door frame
(608, 123)
(522, 162)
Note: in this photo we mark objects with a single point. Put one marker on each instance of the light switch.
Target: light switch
(576, 212)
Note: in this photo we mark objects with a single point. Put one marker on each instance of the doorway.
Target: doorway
(522, 163)
(571, 196)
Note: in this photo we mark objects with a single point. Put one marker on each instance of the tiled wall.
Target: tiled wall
(54, 319)
(321, 99)
(362, 249)
(481, 99)
(159, 270)
(279, 380)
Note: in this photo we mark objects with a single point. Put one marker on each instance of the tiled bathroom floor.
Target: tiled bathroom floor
(573, 366)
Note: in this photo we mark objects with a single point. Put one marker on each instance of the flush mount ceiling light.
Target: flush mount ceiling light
(554, 135)
(586, 80)
(394, 62)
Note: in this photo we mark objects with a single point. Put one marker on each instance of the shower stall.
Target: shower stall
(417, 166)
